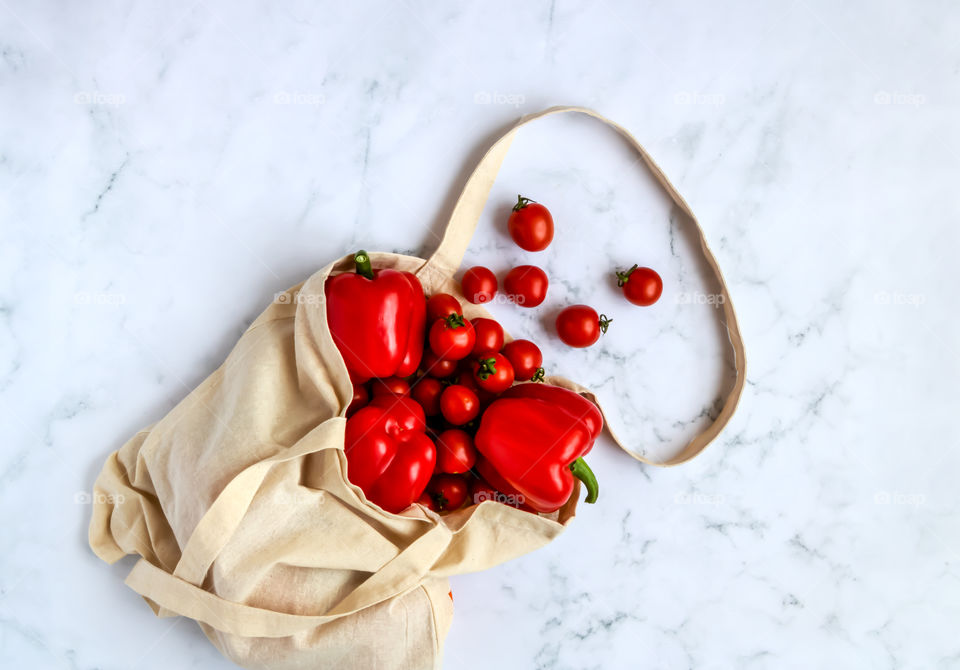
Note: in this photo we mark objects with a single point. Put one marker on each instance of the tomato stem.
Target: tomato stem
(488, 366)
(582, 471)
(604, 323)
(521, 203)
(455, 321)
(624, 277)
(362, 260)
(538, 375)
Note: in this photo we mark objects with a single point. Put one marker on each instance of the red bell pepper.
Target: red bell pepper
(572, 403)
(536, 446)
(377, 319)
(389, 456)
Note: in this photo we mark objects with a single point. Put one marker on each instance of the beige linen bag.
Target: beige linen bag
(239, 505)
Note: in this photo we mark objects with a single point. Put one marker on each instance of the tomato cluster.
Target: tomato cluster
(466, 364)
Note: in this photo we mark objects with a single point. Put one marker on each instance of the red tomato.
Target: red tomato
(427, 501)
(390, 386)
(435, 366)
(479, 284)
(579, 325)
(449, 492)
(427, 392)
(360, 398)
(455, 451)
(641, 286)
(530, 225)
(452, 338)
(489, 336)
(458, 404)
(493, 373)
(442, 305)
(526, 359)
(526, 285)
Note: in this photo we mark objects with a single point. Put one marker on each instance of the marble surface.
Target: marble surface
(167, 167)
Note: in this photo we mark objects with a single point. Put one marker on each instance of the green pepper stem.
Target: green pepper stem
(582, 471)
(362, 261)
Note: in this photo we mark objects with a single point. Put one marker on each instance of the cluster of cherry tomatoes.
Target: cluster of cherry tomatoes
(465, 365)
(531, 227)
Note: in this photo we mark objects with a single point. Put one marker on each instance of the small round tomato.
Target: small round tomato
(452, 338)
(641, 286)
(455, 451)
(435, 366)
(390, 386)
(489, 336)
(493, 373)
(442, 305)
(427, 392)
(360, 398)
(580, 326)
(459, 405)
(449, 492)
(479, 284)
(526, 359)
(526, 285)
(530, 225)
(427, 501)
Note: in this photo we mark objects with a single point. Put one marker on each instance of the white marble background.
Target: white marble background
(165, 168)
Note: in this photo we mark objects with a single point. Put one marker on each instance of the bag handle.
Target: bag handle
(444, 263)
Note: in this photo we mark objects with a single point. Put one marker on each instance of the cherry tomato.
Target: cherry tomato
(435, 366)
(427, 501)
(489, 336)
(455, 451)
(493, 373)
(459, 405)
(360, 398)
(579, 325)
(526, 359)
(442, 305)
(526, 285)
(390, 386)
(641, 286)
(530, 225)
(449, 492)
(427, 392)
(479, 284)
(452, 338)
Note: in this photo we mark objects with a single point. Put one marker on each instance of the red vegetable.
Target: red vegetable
(449, 492)
(389, 456)
(438, 367)
(574, 404)
(641, 286)
(579, 325)
(360, 398)
(537, 447)
(459, 405)
(493, 373)
(489, 336)
(442, 305)
(479, 284)
(526, 359)
(390, 386)
(427, 392)
(376, 318)
(530, 225)
(452, 338)
(427, 501)
(526, 285)
(455, 451)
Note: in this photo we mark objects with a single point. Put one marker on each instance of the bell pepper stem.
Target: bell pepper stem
(362, 260)
(582, 471)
